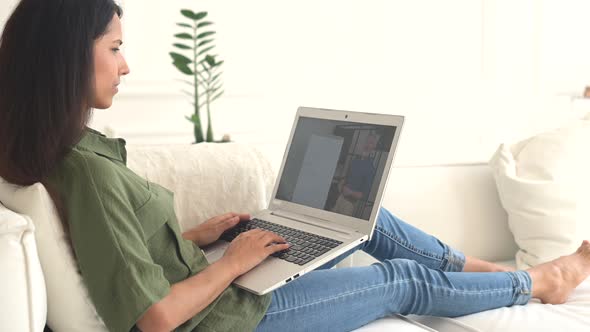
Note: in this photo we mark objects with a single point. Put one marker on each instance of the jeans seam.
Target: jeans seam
(495, 290)
(328, 299)
(521, 293)
(453, 260)
(407, 245)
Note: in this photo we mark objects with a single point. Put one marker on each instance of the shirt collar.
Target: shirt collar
(97, 142)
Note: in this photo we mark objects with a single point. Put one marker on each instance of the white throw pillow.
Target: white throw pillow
(544, 185)
(207, 179)
(23, 305)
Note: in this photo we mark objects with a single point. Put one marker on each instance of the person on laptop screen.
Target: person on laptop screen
(61, 58)
(356, 185)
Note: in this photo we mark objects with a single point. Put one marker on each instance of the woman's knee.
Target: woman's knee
(399, 268)
(386, 219)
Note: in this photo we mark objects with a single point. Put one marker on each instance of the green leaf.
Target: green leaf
(199, 16)
(217, 64)
(216, 96)
(204, 42)
(183, 68)
(214, 89)
(210, 60)
(183, 47)
(183, 36)
(205, 50)
(205, 34)
(186, 25)
(188, 13)
(215, 77)
(204, 24)
(177, 57)
(187, 93)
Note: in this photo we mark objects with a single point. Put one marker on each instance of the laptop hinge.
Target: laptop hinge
(297, 217)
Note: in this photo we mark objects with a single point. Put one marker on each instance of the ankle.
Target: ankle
(544, 279)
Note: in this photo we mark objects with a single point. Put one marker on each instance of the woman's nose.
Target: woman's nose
(124, 69)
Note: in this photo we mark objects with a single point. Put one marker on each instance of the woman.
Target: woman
(58, 60)
(355, 186)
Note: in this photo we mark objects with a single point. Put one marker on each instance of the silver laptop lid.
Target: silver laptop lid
(336, 166)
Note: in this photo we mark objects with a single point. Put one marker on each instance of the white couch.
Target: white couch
(457, 203)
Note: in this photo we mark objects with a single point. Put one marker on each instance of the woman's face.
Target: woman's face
(109, 65)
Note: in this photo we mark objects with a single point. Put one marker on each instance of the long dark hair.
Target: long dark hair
(46, 84)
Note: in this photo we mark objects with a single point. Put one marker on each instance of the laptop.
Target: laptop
(327, 195)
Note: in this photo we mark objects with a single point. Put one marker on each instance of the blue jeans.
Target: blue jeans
(416, 274)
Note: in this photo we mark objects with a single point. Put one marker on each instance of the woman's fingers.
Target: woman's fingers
(251, 232)
(227, 217)
(243, 216)
(262, 236)
(269, 237)
(277, 247)
(222, 217)
(230, 222)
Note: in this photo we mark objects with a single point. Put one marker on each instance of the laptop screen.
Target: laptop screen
(336, 165)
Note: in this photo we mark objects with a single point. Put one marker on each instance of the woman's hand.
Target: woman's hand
(250, 248)
(210, 231)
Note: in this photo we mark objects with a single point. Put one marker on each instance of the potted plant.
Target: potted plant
(201, 66)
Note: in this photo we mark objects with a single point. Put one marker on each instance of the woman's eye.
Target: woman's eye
(115, 50)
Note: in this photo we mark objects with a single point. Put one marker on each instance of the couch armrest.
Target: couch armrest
(207, 179)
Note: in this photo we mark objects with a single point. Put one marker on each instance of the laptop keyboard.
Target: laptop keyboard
(304, 246)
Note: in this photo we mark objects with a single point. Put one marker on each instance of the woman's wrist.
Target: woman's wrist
(229, 266)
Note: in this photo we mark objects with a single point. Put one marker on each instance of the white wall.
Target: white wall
(467, 74)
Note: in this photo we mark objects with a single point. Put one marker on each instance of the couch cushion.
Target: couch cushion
(397, 323)
(23, 303)
(453, 203)
(544, 185)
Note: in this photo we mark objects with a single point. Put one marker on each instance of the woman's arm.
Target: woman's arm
(188, 297)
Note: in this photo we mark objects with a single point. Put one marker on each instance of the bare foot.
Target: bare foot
(554, 281)
(473, 264)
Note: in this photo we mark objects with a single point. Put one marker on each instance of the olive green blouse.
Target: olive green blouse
(128, 243)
